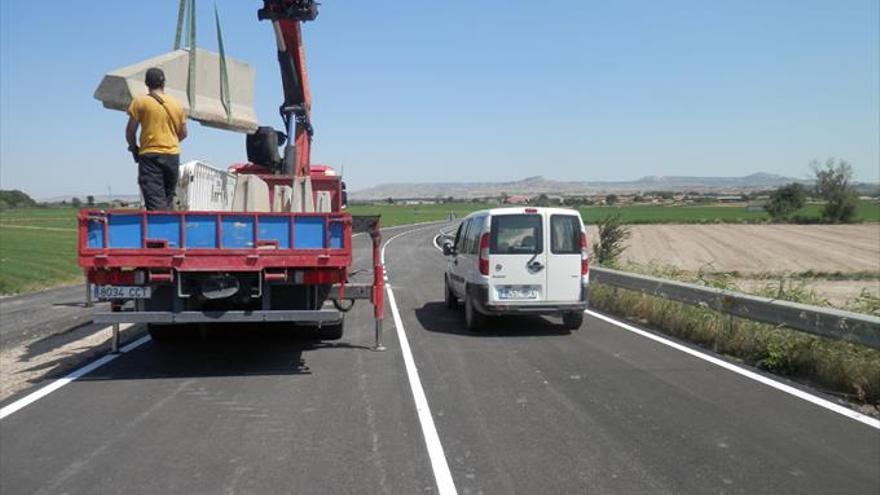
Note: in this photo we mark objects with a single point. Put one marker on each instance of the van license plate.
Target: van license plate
(518, 292)
(121, 292)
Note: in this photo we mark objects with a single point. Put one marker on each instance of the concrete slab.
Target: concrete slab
(251, 194)
(282, 199)
(120, 86)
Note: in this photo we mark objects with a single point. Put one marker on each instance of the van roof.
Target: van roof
(522, 209)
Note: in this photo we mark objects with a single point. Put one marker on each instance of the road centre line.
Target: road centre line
(788, 389)
(442, 474)
(72, 376)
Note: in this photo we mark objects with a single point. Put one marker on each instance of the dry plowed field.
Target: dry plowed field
(753, 249)
(758, 250)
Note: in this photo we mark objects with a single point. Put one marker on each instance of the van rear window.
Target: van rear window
(565, 234)
(516, 234)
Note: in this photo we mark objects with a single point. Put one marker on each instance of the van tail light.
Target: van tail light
(585, 262)
(484, 254)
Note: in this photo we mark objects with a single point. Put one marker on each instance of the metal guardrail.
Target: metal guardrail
(826, 322)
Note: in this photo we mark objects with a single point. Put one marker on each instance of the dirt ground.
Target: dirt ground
(753, 249)
(763, 249)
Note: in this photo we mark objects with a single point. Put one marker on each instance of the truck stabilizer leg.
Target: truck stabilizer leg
(114, 340)
(378, 286)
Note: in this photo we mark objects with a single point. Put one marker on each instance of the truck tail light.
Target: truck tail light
(484, 254)
(585, 262)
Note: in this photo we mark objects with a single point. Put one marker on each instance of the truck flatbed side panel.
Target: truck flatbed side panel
(191, 240)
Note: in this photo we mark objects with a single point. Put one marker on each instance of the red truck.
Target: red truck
(170, 268)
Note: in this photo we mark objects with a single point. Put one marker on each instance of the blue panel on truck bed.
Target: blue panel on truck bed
(164, 228)
(201, 231)
(336, 234)
(96, 234)
(308, 233)
(125, 231)
(205, 230)
(275, 229)
(238, 232)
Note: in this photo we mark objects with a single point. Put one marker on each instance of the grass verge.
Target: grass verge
(842, 368)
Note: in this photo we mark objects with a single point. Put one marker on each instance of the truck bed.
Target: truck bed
(203, 240)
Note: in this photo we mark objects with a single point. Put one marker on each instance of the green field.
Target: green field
(38, 245)
(866, 212)
(404, 214)
(37, 249)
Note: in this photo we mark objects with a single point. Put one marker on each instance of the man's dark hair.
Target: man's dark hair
(155, 78)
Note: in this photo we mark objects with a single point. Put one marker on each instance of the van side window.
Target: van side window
(459, 237)
(565, 234)
(474, 234)
(516, 234)
(465, 232)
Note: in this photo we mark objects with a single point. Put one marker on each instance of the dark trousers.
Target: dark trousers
(157, 176)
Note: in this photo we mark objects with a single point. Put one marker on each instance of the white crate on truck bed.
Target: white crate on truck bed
(202, 187)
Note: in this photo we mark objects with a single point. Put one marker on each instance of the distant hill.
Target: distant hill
(531, 186)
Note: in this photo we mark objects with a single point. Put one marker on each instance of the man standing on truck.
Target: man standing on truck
(163, 127)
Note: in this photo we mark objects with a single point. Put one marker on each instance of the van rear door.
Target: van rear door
(517, 259)
(564, 261)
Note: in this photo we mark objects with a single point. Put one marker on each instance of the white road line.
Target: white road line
(72, 376)
(831, 406)
(442, 475)
(48, 389)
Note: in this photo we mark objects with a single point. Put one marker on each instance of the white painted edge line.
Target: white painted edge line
(78, 373)
(442, 474)
(831, 406)
(73, 375)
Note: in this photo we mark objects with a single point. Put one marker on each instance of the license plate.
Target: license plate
(525, 292)
(121, 292)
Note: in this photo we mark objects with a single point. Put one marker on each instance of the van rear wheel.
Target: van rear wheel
(472, 318)
(449, 297)
(573, 320)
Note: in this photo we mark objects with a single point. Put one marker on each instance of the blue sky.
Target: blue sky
(411, 90)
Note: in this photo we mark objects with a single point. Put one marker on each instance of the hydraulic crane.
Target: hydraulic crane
(287, 17)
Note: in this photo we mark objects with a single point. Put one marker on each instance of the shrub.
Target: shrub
(833, 185)
(786, 200)
(612, 237)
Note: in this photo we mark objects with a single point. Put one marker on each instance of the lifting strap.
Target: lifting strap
(186, 29)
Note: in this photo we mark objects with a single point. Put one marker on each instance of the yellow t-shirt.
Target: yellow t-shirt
(158, 128)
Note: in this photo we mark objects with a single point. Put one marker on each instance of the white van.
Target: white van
(518, 260)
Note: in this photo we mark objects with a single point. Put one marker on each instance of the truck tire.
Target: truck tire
(450, 299)
(474, 320)
(161, 333)
(573, 320)
(332, 332)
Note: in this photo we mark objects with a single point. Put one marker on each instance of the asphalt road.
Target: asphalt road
(30, 317)
(519, 408)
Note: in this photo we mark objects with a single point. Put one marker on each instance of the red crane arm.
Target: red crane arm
(287, 17)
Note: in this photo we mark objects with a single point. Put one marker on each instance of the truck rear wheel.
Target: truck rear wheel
(331, 332)
(161, 332)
